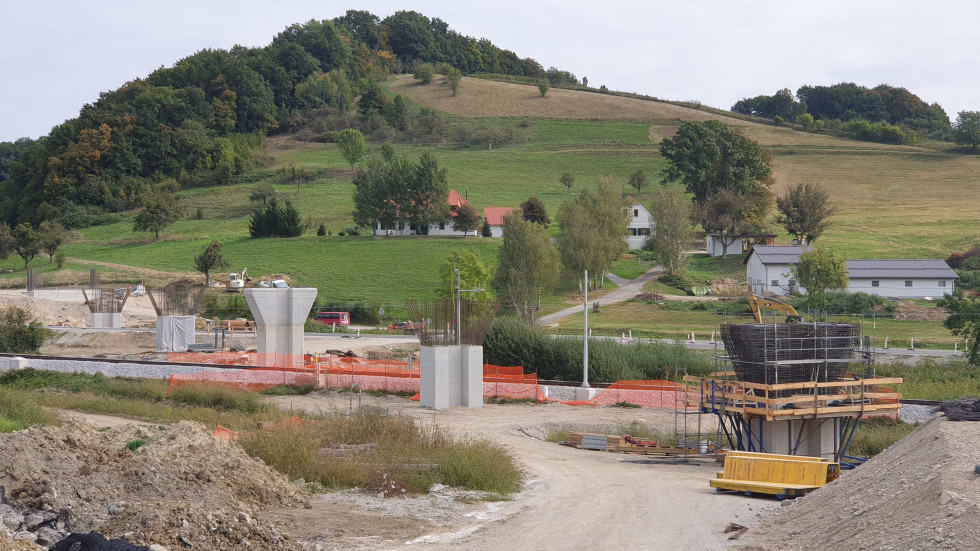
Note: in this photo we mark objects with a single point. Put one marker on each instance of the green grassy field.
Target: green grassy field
(893, 202)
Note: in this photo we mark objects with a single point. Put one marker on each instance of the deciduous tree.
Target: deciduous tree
(263, 192)
(388, 191)
(466, 220)
(964, 320)
(673, 235)
(26, 242)
(593, 230)
(710, 156)
(533, 210)
(454, 77)
(820, 270)
(543, 85)
(966, 129)
(160, 210)
(209, 260)
(352, 145)
(567, 179)
(805, 211)
(52, 236)
(473, 274)
(424, 73)
(526, 265)
(639, 180)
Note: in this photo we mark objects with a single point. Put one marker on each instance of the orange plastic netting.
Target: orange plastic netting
(507, 382)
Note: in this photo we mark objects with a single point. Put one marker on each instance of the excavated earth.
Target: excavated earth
(182, 488)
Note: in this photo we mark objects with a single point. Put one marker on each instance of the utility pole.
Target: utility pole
(585, 361)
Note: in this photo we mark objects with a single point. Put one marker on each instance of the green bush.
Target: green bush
(215, 305)
(677, 281)
(512, 342)
(19, 334)
(969, 279)
(842, 302)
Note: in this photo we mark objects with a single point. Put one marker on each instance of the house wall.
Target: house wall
(920, 288)
(715, 246)
(496, 231)
(765, 275)
(642, 225)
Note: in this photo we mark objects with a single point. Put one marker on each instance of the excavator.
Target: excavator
(755, 301)
(236, 282)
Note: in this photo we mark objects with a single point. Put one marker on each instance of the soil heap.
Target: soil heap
(180, 488)
(922, 493)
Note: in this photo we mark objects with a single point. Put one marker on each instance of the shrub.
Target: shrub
(971, 264)
(59, 259)
(511, 342)
(677, 281)
(321, 230)
(842, 302)
(19, 334)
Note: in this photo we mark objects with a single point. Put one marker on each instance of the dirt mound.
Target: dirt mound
(726, 286)
(914, 312)
(181, 487)
(922, 493)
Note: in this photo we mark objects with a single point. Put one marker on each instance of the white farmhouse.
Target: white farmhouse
(901, 278)
(642, 226)
(768, 268)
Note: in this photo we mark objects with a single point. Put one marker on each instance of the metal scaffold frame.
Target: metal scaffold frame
(795, 379)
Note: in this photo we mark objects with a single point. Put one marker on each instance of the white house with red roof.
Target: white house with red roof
(456, 201)
(494, 216)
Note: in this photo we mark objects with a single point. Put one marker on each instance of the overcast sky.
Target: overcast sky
(56, 56)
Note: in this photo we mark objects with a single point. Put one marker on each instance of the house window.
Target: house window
(644, 231)
(908, 282)
(942, 283)
(636, 213)
(775, 283)
(874, 282)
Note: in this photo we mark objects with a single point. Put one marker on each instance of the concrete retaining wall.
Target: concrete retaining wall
(109, 369)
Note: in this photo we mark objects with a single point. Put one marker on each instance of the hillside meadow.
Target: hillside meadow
(893, 201)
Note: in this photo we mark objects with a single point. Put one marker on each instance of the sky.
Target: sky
(58, 55)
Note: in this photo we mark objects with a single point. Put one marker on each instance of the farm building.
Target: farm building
(738, 244)
(405, 227)
(494, 217)
(769, 269)
(901, 278)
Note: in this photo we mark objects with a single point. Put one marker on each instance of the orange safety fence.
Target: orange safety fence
(219, 358)
(508, 382)
(656, 393)
(226, 434)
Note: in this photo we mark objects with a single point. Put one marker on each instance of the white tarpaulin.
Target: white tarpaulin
(174, 333)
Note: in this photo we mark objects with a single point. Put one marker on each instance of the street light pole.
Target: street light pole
(585, 362)
(459, 292)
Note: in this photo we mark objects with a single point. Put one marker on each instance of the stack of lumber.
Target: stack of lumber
(589, 441)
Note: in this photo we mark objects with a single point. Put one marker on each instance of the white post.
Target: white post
(886, 342)
(585, 360)
(911, 343)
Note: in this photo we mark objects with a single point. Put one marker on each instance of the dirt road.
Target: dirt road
(574, 499)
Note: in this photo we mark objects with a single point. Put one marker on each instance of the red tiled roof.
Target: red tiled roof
(495, 215)
(455, 200)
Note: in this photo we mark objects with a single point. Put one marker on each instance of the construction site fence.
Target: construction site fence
(499, 382)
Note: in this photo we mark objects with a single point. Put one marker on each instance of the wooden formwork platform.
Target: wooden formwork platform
(786, 401)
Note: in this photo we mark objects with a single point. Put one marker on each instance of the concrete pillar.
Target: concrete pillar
(106, 320)
(812, 437)
(451, 376)
(280, 315)
(174, 333)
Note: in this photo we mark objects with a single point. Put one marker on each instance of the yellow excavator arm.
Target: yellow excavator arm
(755, 301)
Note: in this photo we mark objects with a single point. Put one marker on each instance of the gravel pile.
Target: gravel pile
(912, 413)
(922, 493)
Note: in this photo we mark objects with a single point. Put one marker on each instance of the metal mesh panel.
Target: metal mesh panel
(177, 299)
(434, 321)
(105, 300)
(791, 352)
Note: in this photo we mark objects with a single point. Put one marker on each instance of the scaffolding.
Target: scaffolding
(810, 373)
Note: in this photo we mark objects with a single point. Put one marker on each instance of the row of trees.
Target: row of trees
(848, 102)
(27, 242)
